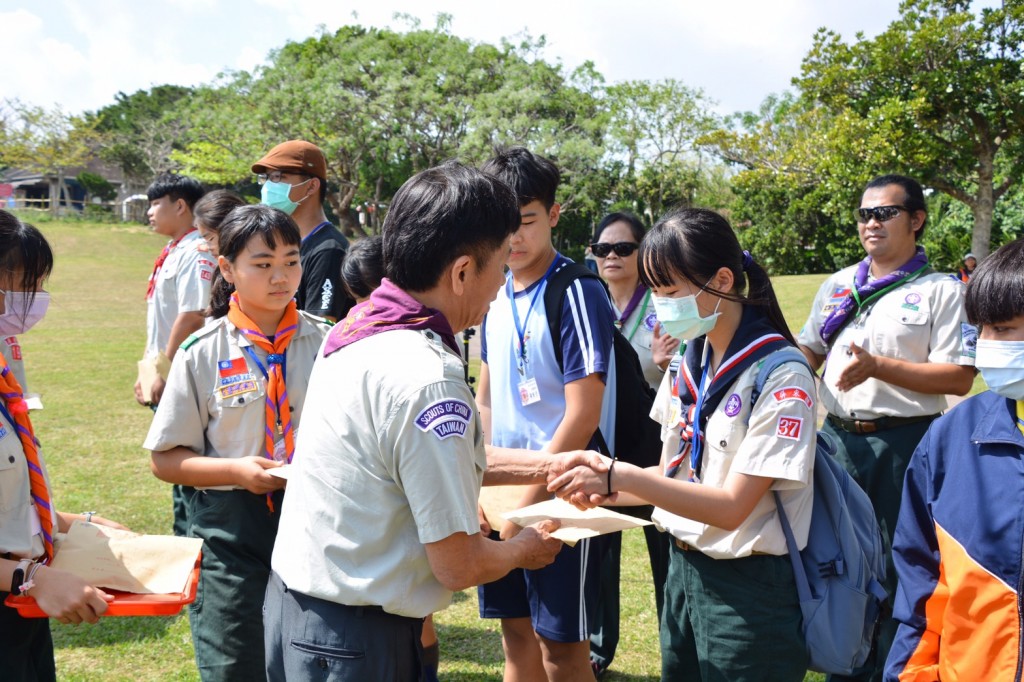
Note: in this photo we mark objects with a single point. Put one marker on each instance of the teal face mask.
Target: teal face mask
(275, 195)
(680, 317)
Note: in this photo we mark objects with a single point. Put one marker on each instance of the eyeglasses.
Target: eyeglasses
(882, 214)
(275, 176)
(621, 249)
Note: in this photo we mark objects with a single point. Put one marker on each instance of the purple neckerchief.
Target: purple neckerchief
(864, 291)
(633, 303)
(388, 308)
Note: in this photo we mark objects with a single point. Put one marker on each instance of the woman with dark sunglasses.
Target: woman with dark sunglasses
(617, 239)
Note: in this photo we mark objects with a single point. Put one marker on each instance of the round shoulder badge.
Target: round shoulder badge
(733, 405)
(650, 321)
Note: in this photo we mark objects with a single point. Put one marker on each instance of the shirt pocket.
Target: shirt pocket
(721, 442)
(14, 482)
(237, 415)
(900, 331)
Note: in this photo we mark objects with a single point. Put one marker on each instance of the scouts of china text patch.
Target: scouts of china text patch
(445, 418)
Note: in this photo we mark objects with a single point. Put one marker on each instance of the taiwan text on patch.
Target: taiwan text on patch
(445, 418)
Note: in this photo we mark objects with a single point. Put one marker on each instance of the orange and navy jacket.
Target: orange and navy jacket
(959, 549)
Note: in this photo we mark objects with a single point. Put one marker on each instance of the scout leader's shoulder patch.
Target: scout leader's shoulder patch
(445, 418)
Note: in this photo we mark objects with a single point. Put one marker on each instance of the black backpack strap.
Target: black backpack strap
(558, 283)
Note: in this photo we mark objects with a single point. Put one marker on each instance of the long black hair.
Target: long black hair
(23, 251)
(695, 243)
(240, 226)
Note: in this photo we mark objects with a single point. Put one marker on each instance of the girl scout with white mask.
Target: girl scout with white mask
(730, 599)
(28, 517)
(230, 414)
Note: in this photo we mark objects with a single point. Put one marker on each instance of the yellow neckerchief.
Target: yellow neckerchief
(1020, 415)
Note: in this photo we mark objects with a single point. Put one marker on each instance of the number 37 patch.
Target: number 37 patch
(789, 427)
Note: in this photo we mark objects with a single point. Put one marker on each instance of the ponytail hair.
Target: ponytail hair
(363, 267)
(240, 226)
(694, 243)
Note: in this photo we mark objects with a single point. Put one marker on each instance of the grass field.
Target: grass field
(81, 358)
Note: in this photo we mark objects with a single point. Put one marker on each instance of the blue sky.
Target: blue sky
(80, 54)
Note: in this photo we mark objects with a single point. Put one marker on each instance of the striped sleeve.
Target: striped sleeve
(587, 326)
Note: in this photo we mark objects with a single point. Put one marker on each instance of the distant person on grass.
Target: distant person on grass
(29, 518)
(177, 295)
(893, 338)
(293, 176)
(380, 521)
(231, 412)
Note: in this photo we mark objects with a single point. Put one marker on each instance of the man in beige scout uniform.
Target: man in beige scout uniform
(894, 338)
(379, 523)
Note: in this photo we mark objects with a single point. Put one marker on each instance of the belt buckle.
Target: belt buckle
(862, 426)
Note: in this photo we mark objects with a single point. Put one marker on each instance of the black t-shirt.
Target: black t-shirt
(320, 290)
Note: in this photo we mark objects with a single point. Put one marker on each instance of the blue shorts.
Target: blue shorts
(560, 600)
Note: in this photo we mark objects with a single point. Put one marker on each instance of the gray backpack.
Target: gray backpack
(839, 573)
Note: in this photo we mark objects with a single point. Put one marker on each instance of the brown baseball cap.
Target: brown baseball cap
(294, 156)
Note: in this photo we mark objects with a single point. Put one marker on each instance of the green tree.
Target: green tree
(655, 129)
(142, 130)
(50, 142)
(940, 93)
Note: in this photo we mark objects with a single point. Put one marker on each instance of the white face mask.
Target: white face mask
(680, 317)
(22, 311)
(1001, 364)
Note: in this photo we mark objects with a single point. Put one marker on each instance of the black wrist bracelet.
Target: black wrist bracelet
(610, 468)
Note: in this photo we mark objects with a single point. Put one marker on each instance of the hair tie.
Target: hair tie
(748, 260)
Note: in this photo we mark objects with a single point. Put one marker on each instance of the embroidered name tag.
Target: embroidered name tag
(3, 432)
(793, 393)
(445, 418)
(237, 388)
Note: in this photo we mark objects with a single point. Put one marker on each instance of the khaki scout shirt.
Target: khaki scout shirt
(391, 457)
(214, 402)
(182, 285)
(775, 440)
(921, 321)
(19, 522)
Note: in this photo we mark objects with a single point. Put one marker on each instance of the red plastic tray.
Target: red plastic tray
(125, 603)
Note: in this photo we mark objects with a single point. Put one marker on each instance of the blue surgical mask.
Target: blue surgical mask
(680, 317)
(1001, 364)
(275, 195)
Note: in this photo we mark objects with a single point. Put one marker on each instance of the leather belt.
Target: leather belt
(872, 425)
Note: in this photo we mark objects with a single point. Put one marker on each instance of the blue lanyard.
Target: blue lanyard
(697, 440)
(7, 415)
(521, 327)
(315, 230)
(272, 359)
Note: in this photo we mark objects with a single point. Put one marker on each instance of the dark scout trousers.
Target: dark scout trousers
(26, 648)
(731, 620)
(238, 531)
(313, 639)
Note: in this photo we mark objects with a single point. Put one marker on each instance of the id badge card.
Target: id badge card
(529, 392)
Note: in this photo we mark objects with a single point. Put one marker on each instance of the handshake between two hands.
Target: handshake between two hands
(582, 478)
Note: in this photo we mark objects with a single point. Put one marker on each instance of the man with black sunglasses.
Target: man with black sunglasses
(894, 339)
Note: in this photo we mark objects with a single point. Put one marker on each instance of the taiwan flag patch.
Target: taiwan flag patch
(231, 368)
(840, 292)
